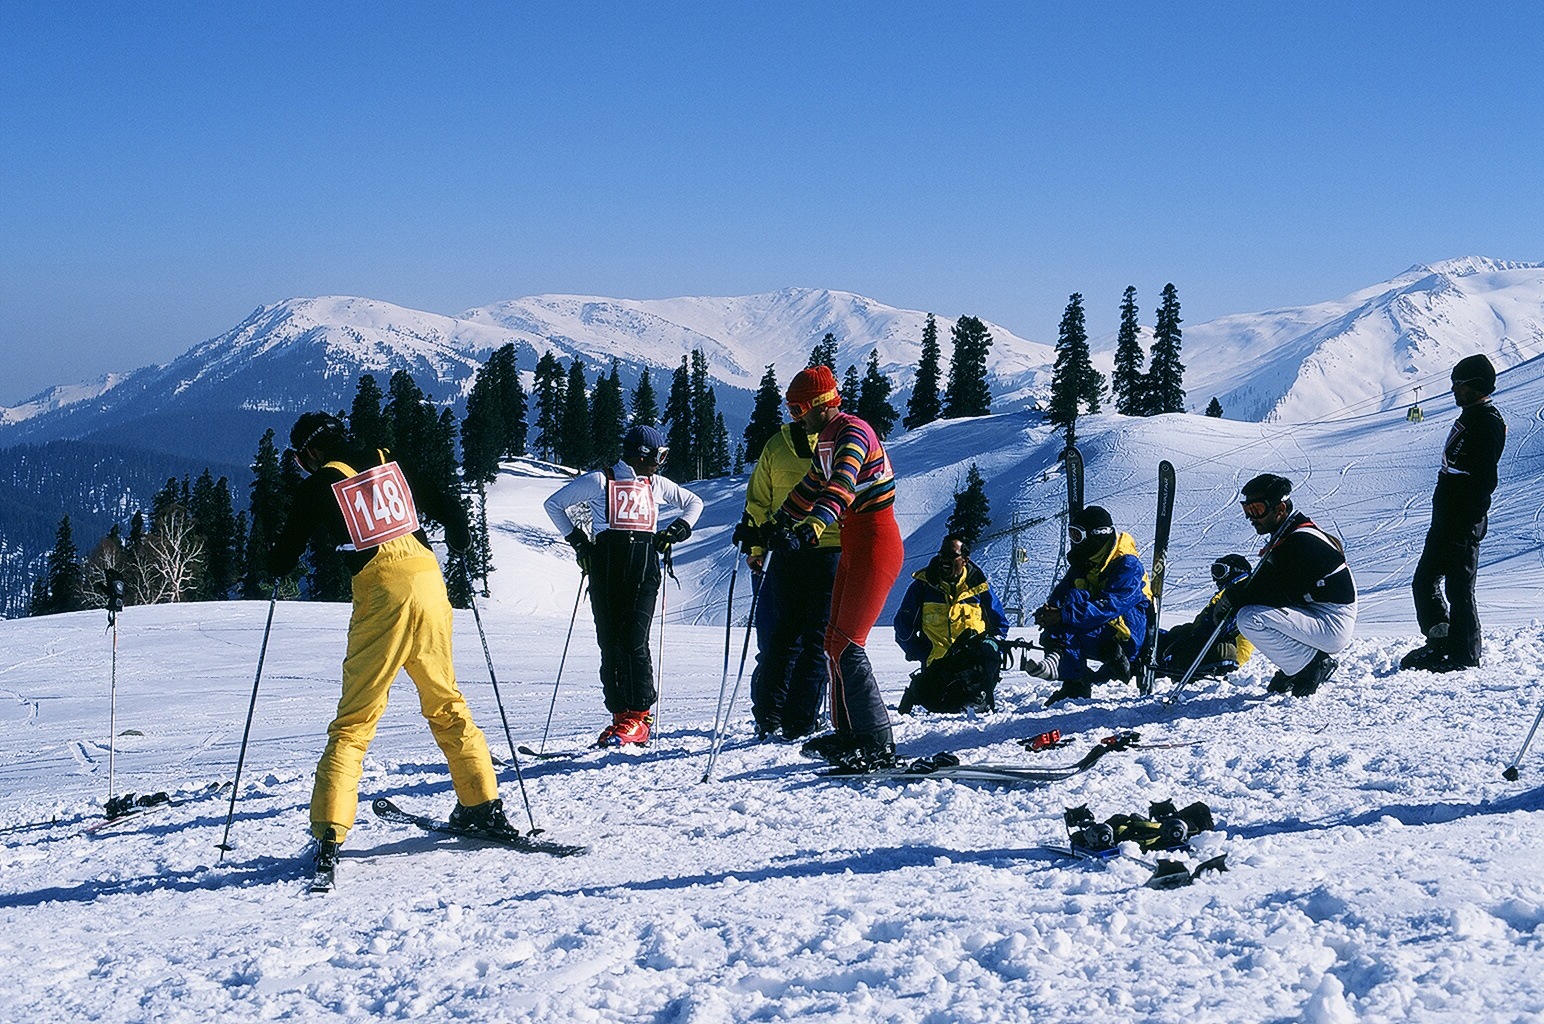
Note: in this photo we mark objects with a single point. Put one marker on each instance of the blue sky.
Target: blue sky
(167, 168)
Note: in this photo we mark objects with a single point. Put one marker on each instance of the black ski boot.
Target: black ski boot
(485, 818)
(1313, 675)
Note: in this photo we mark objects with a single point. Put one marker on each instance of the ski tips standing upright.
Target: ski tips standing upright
(621, 554)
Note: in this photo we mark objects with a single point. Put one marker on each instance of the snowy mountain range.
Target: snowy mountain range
(1363, 352)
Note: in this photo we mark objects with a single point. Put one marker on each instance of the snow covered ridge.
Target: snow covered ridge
(1367, 351)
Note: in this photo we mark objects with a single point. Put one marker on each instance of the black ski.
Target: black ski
(1147, 658)
(129, 807)
(388, 811)
(946, 766)
(323, 879)
(538, 755)
(1072, 460)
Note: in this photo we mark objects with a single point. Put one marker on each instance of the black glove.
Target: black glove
(583, 548)
(784, 540)
(746, 535)
(1047, 617)
(675, 532)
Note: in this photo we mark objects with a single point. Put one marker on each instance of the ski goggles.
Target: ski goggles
(1223, 571)
(1077, 534)
(1255, 510)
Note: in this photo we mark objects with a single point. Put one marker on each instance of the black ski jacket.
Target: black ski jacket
(1303, 564)
(1467, 478)
(314, 512)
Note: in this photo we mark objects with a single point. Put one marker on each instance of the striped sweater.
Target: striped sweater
(850, 474)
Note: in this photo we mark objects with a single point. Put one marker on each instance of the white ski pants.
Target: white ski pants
(1290, 637)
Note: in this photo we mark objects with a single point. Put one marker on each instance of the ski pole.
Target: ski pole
(114, 606)
(241, 758)
(498, 698)
(723, 680)
(659, 661)
(583, 575)
(757, 582)
(1511, 770)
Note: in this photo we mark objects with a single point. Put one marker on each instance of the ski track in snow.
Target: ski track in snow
(1380, 868)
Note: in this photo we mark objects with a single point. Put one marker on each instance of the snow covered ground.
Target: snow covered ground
(1380, 867)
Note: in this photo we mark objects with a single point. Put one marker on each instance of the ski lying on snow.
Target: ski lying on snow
(129, 807)
(388, 811)
(947, 766)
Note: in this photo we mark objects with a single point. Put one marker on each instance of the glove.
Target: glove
(1047, 617)
(746, 535)
(676, 531)
(784, 540)
(583, 548)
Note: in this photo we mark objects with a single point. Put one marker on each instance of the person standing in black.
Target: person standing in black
(1460, 507)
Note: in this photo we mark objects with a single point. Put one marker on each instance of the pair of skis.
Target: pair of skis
(324, 875)
(1146, 667)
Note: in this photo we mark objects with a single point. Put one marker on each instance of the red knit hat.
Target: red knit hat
(810, 388)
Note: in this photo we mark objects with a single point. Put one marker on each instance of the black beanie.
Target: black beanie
(1095, 520)
(1477, 372)
(1267, 487)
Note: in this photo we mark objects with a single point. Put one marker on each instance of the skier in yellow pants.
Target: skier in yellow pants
(364, 504)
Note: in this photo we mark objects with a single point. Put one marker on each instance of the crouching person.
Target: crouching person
(1100, 610)
(951, 622)
(1299, 608)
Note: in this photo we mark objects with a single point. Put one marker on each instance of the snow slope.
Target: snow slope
(1380, 868)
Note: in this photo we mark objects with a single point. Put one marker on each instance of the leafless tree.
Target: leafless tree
(172, 558)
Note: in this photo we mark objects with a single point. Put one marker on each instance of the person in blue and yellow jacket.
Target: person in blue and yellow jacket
(951, 622)
(1101, 609)
(793, 604)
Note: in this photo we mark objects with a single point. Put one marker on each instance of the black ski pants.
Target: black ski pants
(793, 609)
(624, 584)
(1449, 563)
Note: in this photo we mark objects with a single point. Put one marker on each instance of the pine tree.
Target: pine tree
(407, 420)
(1166, 375)
(972, 511)
(59, 588)
(766, 415)
(214, 520)
(1075, 384)
(548, 387)
(482, 430)
(510, 394)
(1214, 410)
(925, 405)
(1128, 377)
(718, 458)
(268, 506)
(874, 406)
(575, 446)
(704, 417)
(644, 406)
(367, 427)
(681, 463)
(968, 393)
(608, 417)
(824, 352)
(852, 388)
